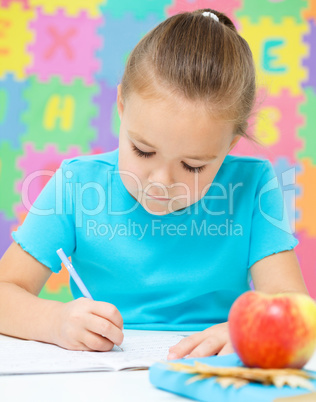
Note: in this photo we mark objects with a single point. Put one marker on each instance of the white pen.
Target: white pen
(75, 276)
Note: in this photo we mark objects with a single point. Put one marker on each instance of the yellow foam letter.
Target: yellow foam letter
(57, 109)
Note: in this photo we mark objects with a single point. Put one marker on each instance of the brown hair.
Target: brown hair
(198, 59)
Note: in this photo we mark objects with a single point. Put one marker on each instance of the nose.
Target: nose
(161, 176)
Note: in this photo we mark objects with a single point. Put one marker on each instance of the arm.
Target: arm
(276, 273)
(81, 324)
(22, 313)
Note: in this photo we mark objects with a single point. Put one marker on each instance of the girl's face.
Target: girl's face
(169, 151)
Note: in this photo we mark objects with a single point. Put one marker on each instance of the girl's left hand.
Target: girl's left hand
(213, 340)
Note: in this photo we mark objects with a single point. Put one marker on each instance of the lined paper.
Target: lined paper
(19, 356)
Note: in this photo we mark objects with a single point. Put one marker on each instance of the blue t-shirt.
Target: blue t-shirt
(180, 271)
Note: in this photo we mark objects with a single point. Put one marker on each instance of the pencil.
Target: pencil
(76, 277)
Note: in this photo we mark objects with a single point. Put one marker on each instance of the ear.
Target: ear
(234, 142)
(120, 106)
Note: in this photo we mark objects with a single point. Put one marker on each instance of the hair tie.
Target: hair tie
(212, 15)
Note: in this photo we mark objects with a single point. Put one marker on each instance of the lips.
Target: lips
(158, 198)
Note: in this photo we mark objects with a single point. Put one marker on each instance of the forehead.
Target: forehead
(176, 124)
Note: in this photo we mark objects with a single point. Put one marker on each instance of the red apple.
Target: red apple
(273, 330)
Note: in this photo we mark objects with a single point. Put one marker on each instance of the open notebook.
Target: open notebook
(30, 357)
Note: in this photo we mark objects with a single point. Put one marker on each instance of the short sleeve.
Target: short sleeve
(49, 224)
(270, 228)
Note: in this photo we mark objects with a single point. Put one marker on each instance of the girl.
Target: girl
(169, 229)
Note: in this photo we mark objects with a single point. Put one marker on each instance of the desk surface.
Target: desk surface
(114, 386)
(117, 386)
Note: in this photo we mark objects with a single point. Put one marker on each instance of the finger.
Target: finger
(209, 347)
(227, 349)
(107, 311)
(185, 346)
(105, 328)
(77, 346)
(96, 342)
(84, 347)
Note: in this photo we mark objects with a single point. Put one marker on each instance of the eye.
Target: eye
(193, 169)
(149, 154)
(141, 153)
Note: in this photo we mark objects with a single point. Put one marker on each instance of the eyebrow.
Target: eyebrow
(204, 158)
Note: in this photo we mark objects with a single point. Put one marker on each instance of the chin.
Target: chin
(160, 208)
(155, 208)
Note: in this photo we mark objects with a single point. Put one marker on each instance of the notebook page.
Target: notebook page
(140, 351)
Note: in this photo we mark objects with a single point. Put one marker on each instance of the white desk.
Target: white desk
(115, 386)
(130, 386)
(118, 386)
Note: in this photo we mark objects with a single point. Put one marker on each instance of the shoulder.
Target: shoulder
(90, 165)
(247, 168)
(247, 174)
(104, 159)
(247, 161)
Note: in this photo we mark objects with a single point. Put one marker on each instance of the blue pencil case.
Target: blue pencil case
(208, 390)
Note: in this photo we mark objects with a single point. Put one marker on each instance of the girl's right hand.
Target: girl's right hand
(85, 324)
